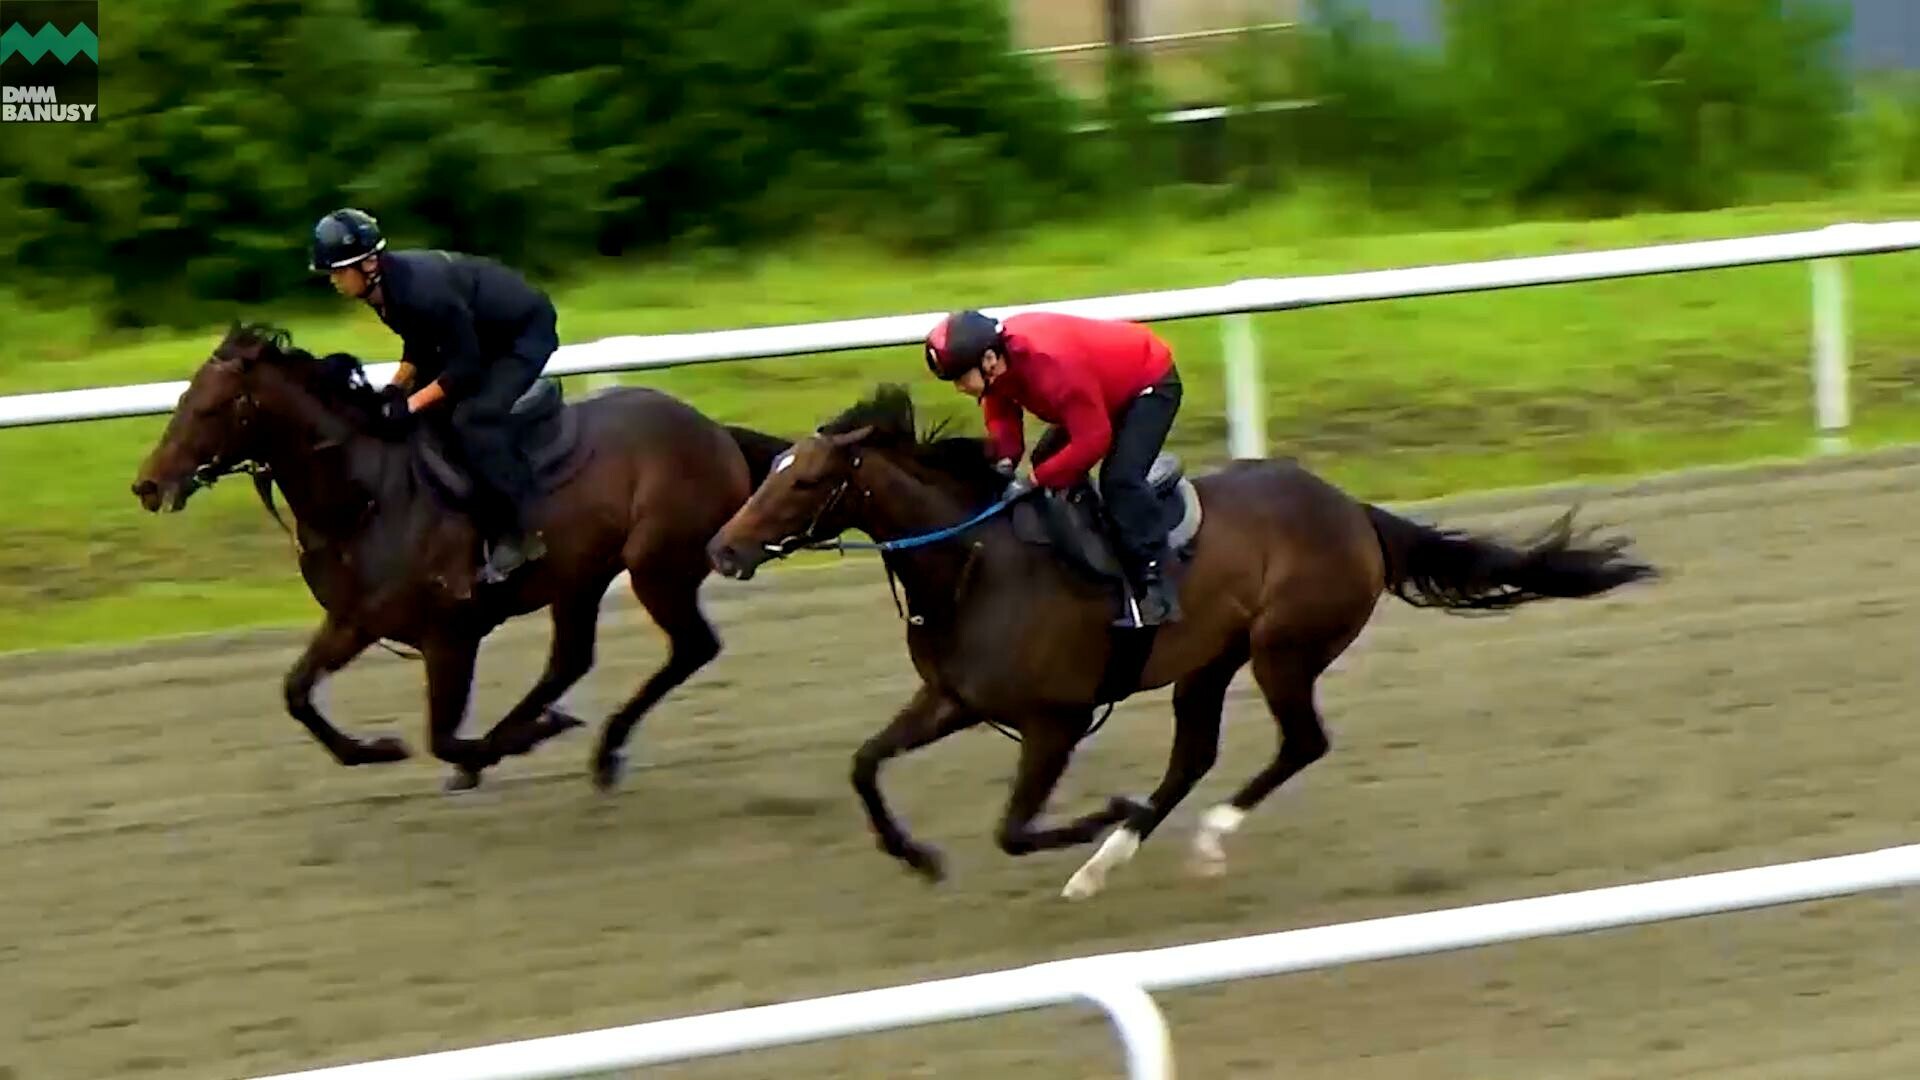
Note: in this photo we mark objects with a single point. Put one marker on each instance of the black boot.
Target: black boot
(1153, 600)
(1158, 601)
(510, 547)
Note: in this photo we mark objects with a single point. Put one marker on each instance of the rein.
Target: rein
(805, 540)
(907, 543)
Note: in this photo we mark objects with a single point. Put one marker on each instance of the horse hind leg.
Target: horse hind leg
(1286, 672)
(1198, 702)
(536, 717)
(671, 594)
(450, 667)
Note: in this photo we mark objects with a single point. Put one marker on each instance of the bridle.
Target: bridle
(210, 472)
(808, 539)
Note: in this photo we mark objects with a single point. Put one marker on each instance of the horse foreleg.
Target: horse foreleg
(333, 647)
(671, 594)
(1046, 745)
(929, 717)
(450, 664)
(534, 719)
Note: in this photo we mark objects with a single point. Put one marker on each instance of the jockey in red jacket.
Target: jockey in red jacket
(1110, 390)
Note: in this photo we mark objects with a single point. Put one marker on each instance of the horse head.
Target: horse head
(254, 385)
(822, 485)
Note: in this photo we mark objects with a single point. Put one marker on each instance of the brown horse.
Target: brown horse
(630, 479)
(1283, 572)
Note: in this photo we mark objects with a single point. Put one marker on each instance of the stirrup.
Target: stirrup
(522, 550)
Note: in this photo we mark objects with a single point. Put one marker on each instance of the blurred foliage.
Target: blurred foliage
(543, 133)
(535, 132)
(1600, 107)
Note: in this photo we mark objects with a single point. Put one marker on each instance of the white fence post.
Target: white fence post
(1246, 408)
(1831, 413)
(1139, 1023)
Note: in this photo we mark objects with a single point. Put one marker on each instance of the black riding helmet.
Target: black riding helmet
(958, 344)
(343, 238)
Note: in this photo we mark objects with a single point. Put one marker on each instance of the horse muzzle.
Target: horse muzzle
(730, 562)
(156, 497)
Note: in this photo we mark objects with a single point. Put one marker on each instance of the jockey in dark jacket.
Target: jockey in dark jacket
(1109, 387)
(475, 337)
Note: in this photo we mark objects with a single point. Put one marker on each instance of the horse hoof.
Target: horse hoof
(1207, 865)
(381, 751)
(609, 770)
(926, 862)
(559, 721)
(1117, 850)
(1209, 855)
(462, 780)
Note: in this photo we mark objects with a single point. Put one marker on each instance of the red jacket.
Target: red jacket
(1075, 373)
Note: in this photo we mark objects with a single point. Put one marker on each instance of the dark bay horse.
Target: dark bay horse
(1285, 570)
(631, 479)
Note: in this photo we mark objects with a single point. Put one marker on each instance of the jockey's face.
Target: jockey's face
(974, 383)
(352, 280)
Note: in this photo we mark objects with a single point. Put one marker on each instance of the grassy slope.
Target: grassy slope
(1397, 400)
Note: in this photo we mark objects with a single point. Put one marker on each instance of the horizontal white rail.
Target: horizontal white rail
(640, 352)
(1118, 981)
(1188, 37)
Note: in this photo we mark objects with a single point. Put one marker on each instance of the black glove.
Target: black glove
(395, 417)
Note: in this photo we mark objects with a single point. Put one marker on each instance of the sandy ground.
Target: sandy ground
(192, 889)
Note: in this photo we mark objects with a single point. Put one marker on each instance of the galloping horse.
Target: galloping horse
(1008, 622)
(629, 479)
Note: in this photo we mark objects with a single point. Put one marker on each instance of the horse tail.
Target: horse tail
(1435, 568)
(759, 449)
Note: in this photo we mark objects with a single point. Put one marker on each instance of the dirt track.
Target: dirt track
(191, 889)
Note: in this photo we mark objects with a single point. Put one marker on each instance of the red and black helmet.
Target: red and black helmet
(958, 344)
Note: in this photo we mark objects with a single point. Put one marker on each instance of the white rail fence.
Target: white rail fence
(1237, 300)
(1119, 983)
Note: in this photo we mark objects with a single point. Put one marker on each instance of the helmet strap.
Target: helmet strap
(374, 276)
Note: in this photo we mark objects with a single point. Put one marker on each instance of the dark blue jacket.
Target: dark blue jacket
(457, 314)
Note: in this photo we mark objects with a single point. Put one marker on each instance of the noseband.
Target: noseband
(808, 538)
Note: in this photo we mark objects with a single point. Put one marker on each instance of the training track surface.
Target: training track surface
(191, 889)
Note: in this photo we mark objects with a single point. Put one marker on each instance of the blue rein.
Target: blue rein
(907, 542)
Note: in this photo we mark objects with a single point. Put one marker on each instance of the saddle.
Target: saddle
(545, 430)
(1076, 526)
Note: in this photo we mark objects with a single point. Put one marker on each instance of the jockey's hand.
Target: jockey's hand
(1018, 487)
(395, 416)
(1005, 467)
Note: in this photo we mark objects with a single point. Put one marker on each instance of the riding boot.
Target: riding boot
(1153, 599)
(1159, 602)
(510, 545)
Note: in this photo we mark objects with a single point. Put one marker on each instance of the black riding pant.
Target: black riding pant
(1139, 434)
(483, 425)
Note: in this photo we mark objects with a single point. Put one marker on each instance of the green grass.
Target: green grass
(1397, 400)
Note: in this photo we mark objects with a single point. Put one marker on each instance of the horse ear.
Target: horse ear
(851, 438)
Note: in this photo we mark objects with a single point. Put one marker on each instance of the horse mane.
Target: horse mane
(338, 379)
(888, 411)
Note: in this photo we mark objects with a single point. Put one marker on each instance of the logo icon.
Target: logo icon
(49, 61)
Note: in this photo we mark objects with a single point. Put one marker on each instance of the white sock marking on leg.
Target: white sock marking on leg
(1091, 878)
